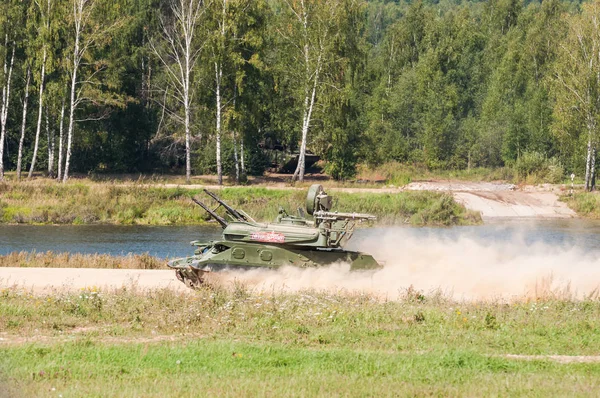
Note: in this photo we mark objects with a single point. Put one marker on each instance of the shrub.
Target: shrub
(537, 166)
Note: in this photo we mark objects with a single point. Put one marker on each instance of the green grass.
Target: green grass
(207, 367)
(88, 203)
(233, 341)
(586, 204)
(356, 321)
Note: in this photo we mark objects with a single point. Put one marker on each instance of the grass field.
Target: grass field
(87, 203)
(231, 341)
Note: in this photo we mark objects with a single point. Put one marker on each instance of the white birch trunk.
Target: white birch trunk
(4, 109)
(50, 137)
(236, 159)
(235, 148)
(593, 169)
(77, 11)
(219, 78)
(309, 103)
(235, 141)
(188, 20)
(39, 120)
(70, 128)
(186, 95)
(60, 141)
(588, 161)
(299, 172)
(23, 125)
(219, 74)
(5, 70)
(188, 152)
(243, 164)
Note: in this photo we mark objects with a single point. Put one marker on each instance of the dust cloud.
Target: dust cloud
(464, 268)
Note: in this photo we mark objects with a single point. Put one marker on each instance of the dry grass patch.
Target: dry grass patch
(75, 260)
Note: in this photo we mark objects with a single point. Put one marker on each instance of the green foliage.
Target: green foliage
(451, 86)
(205, 161)
(586, 204)
(537, 165)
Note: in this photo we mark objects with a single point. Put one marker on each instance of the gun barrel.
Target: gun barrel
(333, 215)
(235, 214)
(214, 215)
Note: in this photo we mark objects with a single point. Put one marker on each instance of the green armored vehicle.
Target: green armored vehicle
(288, 241)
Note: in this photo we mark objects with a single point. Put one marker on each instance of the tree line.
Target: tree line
(205, 85)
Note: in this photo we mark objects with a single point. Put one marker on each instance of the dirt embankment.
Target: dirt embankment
(500, 200)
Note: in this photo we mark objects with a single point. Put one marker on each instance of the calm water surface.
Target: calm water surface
(173, 241)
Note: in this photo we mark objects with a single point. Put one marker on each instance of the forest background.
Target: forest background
(201, 87)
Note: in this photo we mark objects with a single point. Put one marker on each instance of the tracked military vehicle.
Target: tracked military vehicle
(290, 240)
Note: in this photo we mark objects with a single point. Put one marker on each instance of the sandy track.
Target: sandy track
(500, 200)
(42, 280)
(515, 204)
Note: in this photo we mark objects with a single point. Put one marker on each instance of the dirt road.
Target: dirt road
(41, 280)
(500, 200)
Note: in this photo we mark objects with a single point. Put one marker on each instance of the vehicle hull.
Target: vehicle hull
(221, 255)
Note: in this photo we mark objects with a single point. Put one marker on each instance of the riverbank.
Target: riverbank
(586, 204)
(46, 202)
(123, 343)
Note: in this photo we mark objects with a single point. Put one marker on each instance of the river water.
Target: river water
(173, 241)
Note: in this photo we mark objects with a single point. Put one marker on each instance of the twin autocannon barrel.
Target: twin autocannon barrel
(236, 215)
(214, 215)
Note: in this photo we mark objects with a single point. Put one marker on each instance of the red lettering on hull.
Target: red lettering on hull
(271, 237)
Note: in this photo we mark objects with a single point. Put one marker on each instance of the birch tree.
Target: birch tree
(61, 140)
(11, 18)
(307, 32)
(220, 54)
(81, 15)
(178, 51)
(238, 31)
(23, 124)
(577, 77)
(90, 29)
(50, 141)
(8, 68)
(222, 51)
(44, 10)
